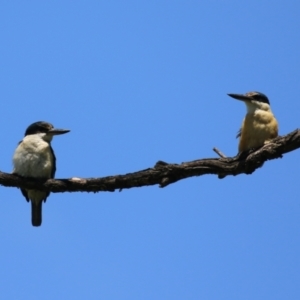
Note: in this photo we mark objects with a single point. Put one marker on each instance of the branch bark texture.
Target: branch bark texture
(164, 173)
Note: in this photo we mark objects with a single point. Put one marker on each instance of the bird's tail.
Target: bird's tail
(36, 213)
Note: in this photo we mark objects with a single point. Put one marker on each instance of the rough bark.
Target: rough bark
(164, 173)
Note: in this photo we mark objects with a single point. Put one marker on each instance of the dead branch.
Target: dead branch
(164, 173)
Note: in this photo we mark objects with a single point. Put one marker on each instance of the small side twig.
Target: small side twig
(222, 155)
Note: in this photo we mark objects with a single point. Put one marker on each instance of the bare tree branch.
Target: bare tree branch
(164, 173)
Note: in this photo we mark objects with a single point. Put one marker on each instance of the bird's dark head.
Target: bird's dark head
(44, 127)
(251, 97)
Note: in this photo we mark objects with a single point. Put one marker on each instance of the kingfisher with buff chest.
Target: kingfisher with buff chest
(259, 125)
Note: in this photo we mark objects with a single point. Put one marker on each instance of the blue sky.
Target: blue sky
(137, 82)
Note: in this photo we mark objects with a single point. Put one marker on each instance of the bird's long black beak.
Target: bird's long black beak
(56, 131)
(240, 97)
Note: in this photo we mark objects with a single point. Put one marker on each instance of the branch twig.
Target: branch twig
(219, 152)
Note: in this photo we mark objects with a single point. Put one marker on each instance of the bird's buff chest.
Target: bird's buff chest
(33, 157)
(260, 121)
(258, 128)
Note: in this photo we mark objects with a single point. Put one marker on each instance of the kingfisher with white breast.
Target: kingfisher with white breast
(259, 125)
(35, 158)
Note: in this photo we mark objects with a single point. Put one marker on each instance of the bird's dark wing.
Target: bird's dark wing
(239, 133)
(53, 170)
(54, 163)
